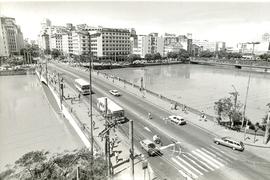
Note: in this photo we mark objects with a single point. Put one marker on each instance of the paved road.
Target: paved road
(200, 158)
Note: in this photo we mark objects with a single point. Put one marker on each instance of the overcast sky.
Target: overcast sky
(226, 21)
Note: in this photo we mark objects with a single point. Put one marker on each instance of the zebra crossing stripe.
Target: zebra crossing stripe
(206, 165)
(219, 155)
(195, 163)
(212, 154)
(210, 157)
(205, 159)
(185, 175)
(185, 168)
(223, 152)
(189, 165)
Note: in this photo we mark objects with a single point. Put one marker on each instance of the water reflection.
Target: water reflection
(200, 86)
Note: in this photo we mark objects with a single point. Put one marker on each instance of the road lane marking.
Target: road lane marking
(195, 163)
(205, 159)
(164, 147)
(217, 155)
(210, 157)
(147, 129)
(185, 168)
(206, 165)
(199, 172)
(226, 154)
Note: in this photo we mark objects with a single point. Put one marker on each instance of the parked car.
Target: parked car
(230, 142)
(115, 92)
(179, 120)
(150, 147)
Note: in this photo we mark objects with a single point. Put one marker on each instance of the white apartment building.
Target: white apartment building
(148, 44)
(56, 42)
(80, 42)
(109, 43)
(11, 37)
(67, 43)
(173, 43)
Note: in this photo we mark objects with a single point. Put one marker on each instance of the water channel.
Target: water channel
(199, 86)
(29, 120)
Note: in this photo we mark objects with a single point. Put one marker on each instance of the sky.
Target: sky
(231, 22)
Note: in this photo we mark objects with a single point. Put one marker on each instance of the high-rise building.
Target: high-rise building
(3, 42)
(12, 36)
(266, 37)
(206, 45)
(56, 42)
(80, 42)
(67, 43)
(174, 43)
(109, 43)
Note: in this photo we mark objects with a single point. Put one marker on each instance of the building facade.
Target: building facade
(206, 45)
(80, 43)
(110, 44)
(11, 37)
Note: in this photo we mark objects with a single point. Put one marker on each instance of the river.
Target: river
(199, 86)
(29, 120)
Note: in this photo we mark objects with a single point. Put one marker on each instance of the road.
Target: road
(200, 158)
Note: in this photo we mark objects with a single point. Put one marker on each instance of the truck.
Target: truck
(114, 111)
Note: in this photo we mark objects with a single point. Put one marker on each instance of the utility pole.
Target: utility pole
(267, 128)
(60, 83)
(78, 173)
(107, 140)
(47, 70)
(235, 94)
(244, 112)
(131, 149)
(91, 111)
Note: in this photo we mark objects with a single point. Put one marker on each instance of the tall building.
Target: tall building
(148, 44)
(45, 42)
(266, 37)
(56, 42)
(109, 43)
(11, 35)
(67, 43)
(80, 42)
(220, 46)
(3, 42)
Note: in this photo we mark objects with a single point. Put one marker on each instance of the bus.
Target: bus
(114, 110)
(82, 86)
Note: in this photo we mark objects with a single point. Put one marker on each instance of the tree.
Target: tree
(43, 165)
(234, 55)
(55, 53)
(172, 55)
(207, 54)
(133, 57)
(148, 57)
(183, 55)
(222, 54)
(228, 107)
(156, 56)
(265, 57)
(47, 51)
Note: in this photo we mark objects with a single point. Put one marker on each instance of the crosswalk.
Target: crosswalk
(200, 161)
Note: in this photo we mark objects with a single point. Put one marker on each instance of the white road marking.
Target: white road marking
(147, 129)
(205, 159)
(226, 154)
(185, 175)
(195, 163)
(164, 147)
(185, 168)
(213, 154)
(210, 158)
(189, 165)
(206, 165)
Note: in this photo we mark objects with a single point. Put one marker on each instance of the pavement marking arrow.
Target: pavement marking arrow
(147, 129)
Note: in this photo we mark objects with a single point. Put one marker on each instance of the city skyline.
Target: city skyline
(213, 21)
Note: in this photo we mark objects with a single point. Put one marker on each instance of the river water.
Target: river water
(199, 86)
(28, 120)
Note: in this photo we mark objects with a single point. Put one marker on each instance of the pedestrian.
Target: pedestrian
(79, 96)
(175, 106)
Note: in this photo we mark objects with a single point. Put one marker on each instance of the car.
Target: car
(115, 92)
(150, 147)
(179, 120)
(230, 142)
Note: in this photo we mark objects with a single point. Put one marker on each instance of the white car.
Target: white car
(177, 120)
(115, 92)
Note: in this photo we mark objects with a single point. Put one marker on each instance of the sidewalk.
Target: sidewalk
(79, 109)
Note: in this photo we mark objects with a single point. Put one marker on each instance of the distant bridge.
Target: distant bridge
(238, 66)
